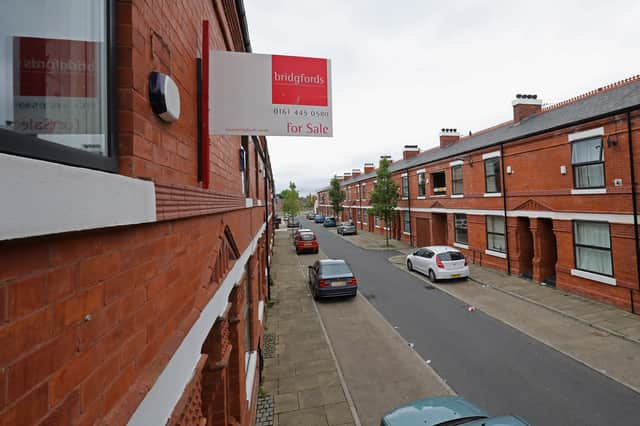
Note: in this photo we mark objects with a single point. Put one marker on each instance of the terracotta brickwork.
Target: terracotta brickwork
(538, 195)
(89, 320)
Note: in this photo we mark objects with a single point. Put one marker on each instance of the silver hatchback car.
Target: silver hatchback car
(347, 228)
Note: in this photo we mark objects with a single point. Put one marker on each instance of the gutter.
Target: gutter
(242, 18)
(635, 205)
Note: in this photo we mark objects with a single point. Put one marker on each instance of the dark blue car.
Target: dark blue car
(330, 222)
(332, 278)
(319, 218)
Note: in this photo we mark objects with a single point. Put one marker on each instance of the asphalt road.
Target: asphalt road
(484, 360)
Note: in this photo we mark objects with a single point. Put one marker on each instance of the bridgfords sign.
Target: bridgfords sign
(269, 95)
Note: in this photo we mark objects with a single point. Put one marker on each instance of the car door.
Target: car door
(417, 260)
(429, 260)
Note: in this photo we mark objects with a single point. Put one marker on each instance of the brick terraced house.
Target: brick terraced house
(134, 251)
(550, 194)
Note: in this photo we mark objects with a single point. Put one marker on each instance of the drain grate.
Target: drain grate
(269, 348)
(429, 287)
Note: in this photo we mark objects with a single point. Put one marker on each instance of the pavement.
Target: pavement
(596, 334)
(336, 362)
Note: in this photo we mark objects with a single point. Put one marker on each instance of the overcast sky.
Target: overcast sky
(401, 70)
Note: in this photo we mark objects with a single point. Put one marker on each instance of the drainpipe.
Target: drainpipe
(409, 207)
(635, 206)
(361, 215)
(504, 208)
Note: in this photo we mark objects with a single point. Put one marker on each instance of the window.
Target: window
(460, 224)
(588, 163)
(377, 221)
(422, 190)
(247, 310)
(495, 233)
(405, 186)
(358, 192)
(56, 100)
(592, 241)
(364, 191)
(365, 217)
(492, 174)
(439, 183)
(406, 221)
(244, 165)
(456, 180)
(358, 215)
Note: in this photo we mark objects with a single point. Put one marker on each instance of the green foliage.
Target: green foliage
(311, 201)
(336, 195)
(290, 200)
(384, 197)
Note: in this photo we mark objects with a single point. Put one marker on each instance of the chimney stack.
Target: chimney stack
(386, 157)
(340, 178)
(525, 105)
(448, 136)
(355, 172)
(347, 175)
(369, 167)
(410, 151)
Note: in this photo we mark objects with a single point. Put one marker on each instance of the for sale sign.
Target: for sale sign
(269, 95)
(56, 86)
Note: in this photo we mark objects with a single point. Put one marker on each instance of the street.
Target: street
(482, 359)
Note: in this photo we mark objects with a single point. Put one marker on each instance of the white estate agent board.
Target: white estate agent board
(269, 95)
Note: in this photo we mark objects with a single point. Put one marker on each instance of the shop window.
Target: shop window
(56, 97)
(592, 244)
(439, 183)
(422, 190)
(460, 224)
(406, 221)
(588, 163)
(456, 180)
(492, 175)
(495, 233)
(405, 186)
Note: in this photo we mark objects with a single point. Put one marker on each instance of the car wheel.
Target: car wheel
(316, 296)
(409, 266)
(432, 276)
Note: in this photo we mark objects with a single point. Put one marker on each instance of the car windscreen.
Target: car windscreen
(307, 237)
(335, 270)
(450, 255)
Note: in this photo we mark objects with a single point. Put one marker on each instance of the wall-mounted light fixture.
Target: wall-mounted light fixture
(164, 96)
(611, 141)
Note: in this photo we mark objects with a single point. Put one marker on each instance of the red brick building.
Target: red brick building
(550, 194)
(134, 251)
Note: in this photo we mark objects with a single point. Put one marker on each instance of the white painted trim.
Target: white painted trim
(492, 154)
(496, 253)
(526, 102)
(386, 228)
(248, 202)
(406, 233)
(421, 171)
(404, 198)
(460, 245)
(158, 403)
(457, 195)
(493, 194)
(598, 131)
(421, 197)
(260, 202)
(404, 174)
(41, 198)
(456, 163)
(593, 277)
(588, 191)
(251, 373)
(261, 309)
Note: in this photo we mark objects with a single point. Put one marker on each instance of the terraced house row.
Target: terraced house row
(550, 194)
(134, 248)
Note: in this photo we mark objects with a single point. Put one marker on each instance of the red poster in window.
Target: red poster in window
(299, 81)
(55, 67)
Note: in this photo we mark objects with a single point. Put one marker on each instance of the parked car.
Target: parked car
(445, 410)
(332, 278)
(319, 218)
(293, 222)
(298, 232)
(346, 228)
(329, 222)
(306, 242)
(311, 215)
(438, 262)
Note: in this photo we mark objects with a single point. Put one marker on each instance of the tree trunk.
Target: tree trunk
(386, 232)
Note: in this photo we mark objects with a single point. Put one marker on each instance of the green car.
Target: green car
(445, 411)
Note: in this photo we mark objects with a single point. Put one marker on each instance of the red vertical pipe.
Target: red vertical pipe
(206, 161)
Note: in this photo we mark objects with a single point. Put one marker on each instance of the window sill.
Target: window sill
(406, 233)
(438, 196)
(457, 196)
(421, 197)
(260, 310)
(593, 277)
(248, 202)
(405, 198)
(493, 194)
(460, 245)
(250, 362)
(588, 191)
(74, 198)
(496, 254)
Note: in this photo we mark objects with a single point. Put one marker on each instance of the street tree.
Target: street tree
(384, 197)
(311, 201)
(290, 200)
(336, 195)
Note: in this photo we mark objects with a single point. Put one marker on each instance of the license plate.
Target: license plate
(308, 244)
(455, 275)
(338, 284)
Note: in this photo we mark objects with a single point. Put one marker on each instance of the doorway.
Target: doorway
(525, 243)
(439, 229)
(423, 235)
(548, 252)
